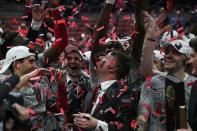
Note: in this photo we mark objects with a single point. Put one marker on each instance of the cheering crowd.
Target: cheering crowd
(142, 81)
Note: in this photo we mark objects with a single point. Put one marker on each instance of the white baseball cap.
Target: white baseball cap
(168, 35)
(87, 55)
(72, 48)
(188, 37)
(180, 45)
(13, 54)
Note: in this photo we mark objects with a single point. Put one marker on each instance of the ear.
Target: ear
(16, 65)
(66, 61)
(82, 64)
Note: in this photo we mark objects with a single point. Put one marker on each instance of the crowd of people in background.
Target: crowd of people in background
(107, 80)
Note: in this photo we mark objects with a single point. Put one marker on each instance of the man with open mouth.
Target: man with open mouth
(77, 81)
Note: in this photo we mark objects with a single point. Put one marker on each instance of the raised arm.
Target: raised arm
(146, 65)
(138, 41)
(61, 36)
(103, 21)
(60, 31)
(152, 33)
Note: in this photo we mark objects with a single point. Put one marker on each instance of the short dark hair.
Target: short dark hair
(193, 44)
(122, 65)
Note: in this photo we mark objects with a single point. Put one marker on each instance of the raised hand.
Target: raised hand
(60, 75)
(150, 22)
(39, 72)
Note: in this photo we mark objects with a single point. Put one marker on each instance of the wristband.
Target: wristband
(150, 39)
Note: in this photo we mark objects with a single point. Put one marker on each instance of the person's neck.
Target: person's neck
(180, 74)
(106, 78)
(75, 78)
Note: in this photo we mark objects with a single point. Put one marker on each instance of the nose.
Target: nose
(190, 61)
(34, 66)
